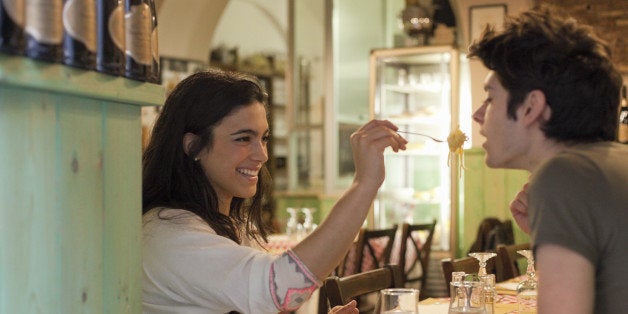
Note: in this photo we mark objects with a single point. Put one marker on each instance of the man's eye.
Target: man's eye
(243, 139)
(266, 138)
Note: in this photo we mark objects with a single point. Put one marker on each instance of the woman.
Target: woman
(204, 176)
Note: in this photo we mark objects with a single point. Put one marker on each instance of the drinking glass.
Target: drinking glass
(292, 224)
(399, 301)
(469, 299)
(489, 293)
(482, 257)
(527, 289)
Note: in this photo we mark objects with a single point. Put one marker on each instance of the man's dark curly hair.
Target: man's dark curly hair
(543, 50)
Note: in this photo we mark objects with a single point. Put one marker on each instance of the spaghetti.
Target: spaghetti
(455, 140)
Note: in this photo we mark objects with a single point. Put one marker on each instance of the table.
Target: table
(505, 302)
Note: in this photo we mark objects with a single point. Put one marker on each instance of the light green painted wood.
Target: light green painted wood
(57, 78)
(486, 193)
(70, 189)
(120, 176)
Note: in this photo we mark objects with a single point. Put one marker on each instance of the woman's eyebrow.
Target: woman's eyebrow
(248, 131)
(244, 131)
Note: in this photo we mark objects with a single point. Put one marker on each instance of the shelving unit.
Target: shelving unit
(417, 89)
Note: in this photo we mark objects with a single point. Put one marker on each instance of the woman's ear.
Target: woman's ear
(535, 108)
(188, 141)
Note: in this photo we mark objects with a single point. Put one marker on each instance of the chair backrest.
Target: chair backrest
(492, 232)
(507, 257)
(372, 250)
(467, 264)
(341, 290)
(414, 254)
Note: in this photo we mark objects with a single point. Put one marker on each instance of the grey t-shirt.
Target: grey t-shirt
(579, 200)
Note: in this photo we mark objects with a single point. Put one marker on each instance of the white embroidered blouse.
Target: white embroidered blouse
(188, 268)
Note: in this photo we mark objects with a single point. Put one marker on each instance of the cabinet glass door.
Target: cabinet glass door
(416, 88)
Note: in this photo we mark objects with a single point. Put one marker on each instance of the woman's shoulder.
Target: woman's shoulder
(173, 219)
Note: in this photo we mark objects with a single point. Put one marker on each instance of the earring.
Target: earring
(196, 159)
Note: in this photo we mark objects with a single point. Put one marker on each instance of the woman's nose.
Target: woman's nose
(261, 152)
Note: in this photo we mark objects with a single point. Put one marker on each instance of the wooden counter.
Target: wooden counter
(70, 188)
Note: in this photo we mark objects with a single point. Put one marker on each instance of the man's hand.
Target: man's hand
(519, 209)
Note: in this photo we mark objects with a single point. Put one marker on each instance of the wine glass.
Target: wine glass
(527, 289)
(292, 224)
(482, 257)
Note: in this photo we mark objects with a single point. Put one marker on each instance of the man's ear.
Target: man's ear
(188, 140)
(535, 108)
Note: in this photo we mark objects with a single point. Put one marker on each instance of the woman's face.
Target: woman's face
(237, 153)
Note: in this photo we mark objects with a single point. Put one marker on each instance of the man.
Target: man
(551, 108)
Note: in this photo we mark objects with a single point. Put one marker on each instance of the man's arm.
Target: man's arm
(566, 281)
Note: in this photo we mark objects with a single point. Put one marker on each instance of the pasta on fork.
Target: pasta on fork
(455, 140)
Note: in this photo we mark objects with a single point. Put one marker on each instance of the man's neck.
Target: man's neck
(541, 152)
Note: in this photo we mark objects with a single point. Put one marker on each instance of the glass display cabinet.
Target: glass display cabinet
(417, 89)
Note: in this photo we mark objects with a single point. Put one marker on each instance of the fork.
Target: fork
(421, 134)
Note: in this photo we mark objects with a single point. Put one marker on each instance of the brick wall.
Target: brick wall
(610, 19)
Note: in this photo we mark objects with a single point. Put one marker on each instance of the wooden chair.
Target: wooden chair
(372, 250)
(467, 264)
(492, 232)
(341, 290)
(414, 253)
(506, 263)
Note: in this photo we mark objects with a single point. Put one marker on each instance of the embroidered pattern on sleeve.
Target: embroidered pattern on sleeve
(291, 282)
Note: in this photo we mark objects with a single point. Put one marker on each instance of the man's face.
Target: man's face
(504, 146)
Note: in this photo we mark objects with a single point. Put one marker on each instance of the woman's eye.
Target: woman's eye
(243, 139)
(266, 138)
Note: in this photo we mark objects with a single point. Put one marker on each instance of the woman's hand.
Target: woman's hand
(337, 231)
(368, 144)
(519, 209)
(349, 308)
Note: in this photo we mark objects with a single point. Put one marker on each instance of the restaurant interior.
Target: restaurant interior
(329, 66)
(320, 59)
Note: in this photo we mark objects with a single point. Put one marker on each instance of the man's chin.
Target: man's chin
(491, 163)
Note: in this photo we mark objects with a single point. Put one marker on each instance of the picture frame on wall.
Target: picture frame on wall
(481, 15)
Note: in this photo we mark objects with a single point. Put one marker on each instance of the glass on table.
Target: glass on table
(527, 289)
(469, 299)
(456, 277)
(293, 222)
(482, 257)
(489, 293)
(399, 301)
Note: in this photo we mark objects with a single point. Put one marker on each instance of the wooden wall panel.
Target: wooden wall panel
(122, 182)
(79, 187)
(70, 189)
(487, 193)
(29, 263)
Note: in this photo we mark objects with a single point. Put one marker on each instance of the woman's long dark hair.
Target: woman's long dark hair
(171, 178)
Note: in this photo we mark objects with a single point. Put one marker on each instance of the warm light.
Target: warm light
(420, 20)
